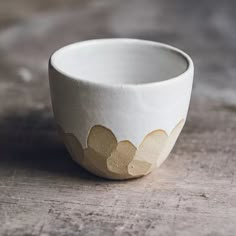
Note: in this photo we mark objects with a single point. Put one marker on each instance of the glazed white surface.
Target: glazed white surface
(119, 62)
(129, 111)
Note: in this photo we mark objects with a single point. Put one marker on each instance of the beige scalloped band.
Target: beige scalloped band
(108, 158)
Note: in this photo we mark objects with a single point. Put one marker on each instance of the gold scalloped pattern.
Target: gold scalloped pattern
(108, 158)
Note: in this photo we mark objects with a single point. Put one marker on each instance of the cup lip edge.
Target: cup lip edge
(189, 69)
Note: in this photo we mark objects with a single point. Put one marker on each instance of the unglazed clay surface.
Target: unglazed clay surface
(106, 157)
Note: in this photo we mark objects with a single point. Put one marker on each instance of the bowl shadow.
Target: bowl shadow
(30, 141)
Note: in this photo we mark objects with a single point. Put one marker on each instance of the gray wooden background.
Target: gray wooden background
(42, 192)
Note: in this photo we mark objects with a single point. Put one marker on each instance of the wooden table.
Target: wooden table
(43, 192)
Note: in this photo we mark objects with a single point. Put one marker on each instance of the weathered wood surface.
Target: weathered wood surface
(43, 192)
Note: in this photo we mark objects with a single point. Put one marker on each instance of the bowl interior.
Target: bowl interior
(119, 61)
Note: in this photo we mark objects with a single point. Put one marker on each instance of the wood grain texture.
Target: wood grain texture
(43, 192)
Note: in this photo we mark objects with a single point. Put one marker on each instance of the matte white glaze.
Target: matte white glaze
(132, 87)
(119, 62)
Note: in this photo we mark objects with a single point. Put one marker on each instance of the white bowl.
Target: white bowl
(120, 103)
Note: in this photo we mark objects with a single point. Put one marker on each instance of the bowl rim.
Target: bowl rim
(188, 71)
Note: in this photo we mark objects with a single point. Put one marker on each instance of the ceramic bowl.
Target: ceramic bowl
(120, 104)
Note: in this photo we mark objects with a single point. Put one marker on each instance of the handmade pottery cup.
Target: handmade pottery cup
(120, 104)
